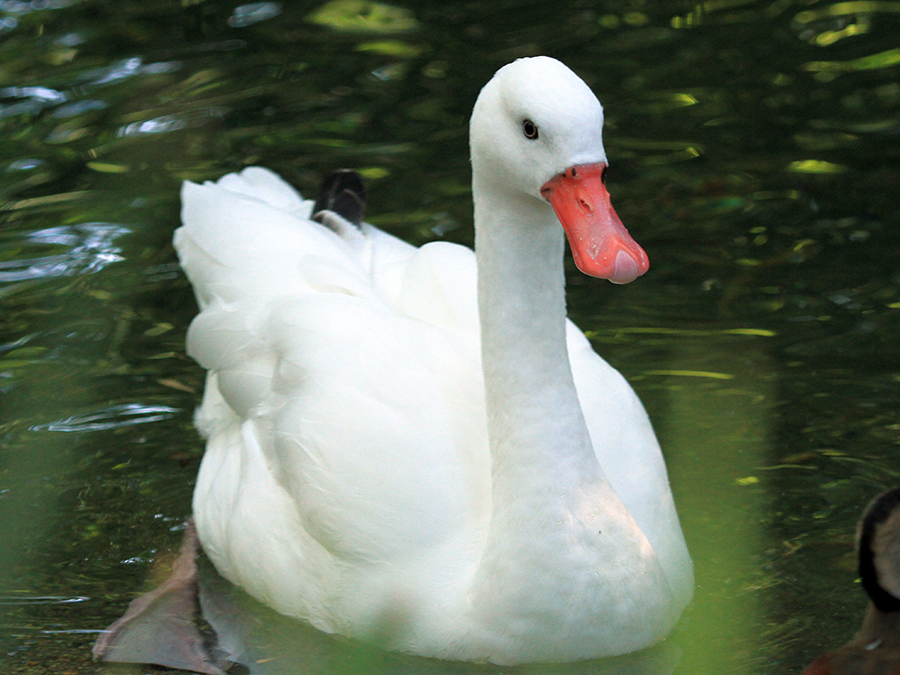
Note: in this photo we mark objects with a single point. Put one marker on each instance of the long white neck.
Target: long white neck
(535, 424)
(556, 522)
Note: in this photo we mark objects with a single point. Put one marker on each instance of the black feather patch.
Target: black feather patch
(878, 512)
(342, 193)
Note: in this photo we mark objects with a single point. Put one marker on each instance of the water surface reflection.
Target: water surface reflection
(753, 149)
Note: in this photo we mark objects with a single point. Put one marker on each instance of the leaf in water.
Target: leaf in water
(165, 355)
(761, 332)
(815, 166)
(826, 25)
(687, 153)
(663, 330)
(60, 56)
(176, 384)
(158, 329)
(374, 172)
(390, 48)
(845, 9)
(828, 70)
(692, 373)
(108, 167)
(24, 356)
(27, 353)
(45, 201)
(10, 364)
(831, 36)
(364, 15)
(663, 102)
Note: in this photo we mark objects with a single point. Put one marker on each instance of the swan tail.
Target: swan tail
(342, 194)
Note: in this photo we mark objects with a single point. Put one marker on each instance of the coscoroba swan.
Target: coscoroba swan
(413, 446)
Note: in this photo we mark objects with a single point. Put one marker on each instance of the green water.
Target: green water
(754, 154)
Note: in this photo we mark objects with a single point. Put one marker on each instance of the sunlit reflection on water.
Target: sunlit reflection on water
(88, 248)
(753, 154)
(110, 418)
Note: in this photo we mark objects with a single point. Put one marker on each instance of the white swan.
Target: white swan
(382, 468)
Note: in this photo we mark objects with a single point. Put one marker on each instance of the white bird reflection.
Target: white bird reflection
(264, 642)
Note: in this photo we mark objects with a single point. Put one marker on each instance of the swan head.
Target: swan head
(536, 131)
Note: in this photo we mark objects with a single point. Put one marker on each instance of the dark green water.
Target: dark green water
(754, 150)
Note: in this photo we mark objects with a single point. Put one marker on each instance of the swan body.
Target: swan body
(414, 446)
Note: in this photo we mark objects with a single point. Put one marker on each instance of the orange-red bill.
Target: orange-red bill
(600, 243)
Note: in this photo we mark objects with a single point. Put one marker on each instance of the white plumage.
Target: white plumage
(380, 466)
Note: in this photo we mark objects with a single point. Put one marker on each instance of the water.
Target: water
(754, 156)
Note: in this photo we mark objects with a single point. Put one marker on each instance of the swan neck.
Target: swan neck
(535, 421)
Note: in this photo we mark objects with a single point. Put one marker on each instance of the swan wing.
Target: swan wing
(344, 400)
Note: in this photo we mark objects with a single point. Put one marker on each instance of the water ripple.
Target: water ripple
(41, 599)
(20, 7)
(113, 417)
(29, 100)
(25, 164)
(78, 108)
(167, 123)
(33, 100)
(13, 7)
(91, 249)
(158, 125)
(127, 68)
(247, 15)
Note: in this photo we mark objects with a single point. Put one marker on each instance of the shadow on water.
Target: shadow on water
(266, 643)
(754, 155)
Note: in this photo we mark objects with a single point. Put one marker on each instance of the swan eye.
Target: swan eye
(603, 175)
(530, 129)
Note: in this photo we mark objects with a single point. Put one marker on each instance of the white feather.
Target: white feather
(353, 476)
